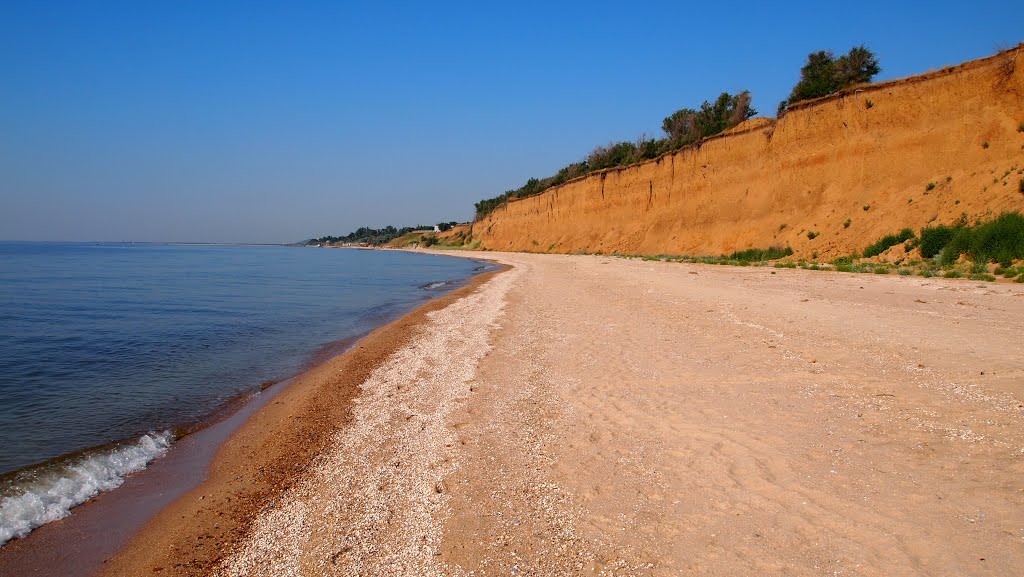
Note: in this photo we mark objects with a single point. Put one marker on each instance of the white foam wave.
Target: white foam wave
(51, 495)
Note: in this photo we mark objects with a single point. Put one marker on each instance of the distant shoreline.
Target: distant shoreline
(631, 417)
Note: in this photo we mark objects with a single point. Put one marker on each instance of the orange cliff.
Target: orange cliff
(864, 157)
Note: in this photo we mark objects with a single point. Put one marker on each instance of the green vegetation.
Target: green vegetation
(761, 254)
(846, 223)
(887, 241)
(934, 238)
(844, 260)
(866, 207)
(824, 74)
(458, 240)
(811, 235)
(869, 104)
(738, 258)
(1000, 240)
(682, 128)
(687, 126)
(929, 186)
(378, 236)
(366, 235)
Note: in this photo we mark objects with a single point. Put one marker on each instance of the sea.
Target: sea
(109, 352)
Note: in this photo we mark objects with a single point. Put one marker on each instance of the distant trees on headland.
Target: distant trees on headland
(377, 236)
(823, 74)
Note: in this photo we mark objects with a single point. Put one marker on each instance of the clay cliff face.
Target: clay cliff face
(866, 156)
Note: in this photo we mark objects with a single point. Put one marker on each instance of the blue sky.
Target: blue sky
(275, 122)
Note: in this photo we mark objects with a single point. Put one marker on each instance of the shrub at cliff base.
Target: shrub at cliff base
(761, 254)
(887, 241)
(1000, 240)
(934, 238)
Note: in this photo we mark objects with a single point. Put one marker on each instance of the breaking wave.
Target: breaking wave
(436, 285)
(49, 493)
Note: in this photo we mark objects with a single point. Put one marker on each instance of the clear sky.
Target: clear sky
(279, 121)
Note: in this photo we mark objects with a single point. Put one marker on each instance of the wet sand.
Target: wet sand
(599, 416)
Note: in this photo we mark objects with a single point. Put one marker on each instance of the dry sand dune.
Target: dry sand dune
(600, 416)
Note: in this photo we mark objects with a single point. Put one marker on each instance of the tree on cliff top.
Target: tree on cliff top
(683, 127)
(824, 74)
(687, 126)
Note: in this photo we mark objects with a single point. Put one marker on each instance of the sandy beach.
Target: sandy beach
(602, 416)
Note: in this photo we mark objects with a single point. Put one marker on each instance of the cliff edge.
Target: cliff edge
(847, 168)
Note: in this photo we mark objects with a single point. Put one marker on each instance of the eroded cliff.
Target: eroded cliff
(848, 168)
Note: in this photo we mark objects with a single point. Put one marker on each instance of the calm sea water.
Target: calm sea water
(107, 348)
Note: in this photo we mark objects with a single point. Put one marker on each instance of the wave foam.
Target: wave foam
(51, 495)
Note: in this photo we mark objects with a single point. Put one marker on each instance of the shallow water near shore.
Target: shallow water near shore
(108, 352)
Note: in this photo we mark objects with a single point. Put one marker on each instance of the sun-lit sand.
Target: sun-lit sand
(602, 416)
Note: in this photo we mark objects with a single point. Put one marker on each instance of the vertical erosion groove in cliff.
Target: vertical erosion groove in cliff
(866, 156)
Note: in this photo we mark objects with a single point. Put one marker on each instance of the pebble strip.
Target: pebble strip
(374, 502)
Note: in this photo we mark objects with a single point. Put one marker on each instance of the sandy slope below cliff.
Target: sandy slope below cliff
(599, 416)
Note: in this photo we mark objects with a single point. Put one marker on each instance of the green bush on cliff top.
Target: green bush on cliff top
(824, 74)
(683, 127)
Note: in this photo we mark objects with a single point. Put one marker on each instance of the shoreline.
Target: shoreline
(121, 512)
(600, 416)
(593, 415)
(68, 547)
(266, 454)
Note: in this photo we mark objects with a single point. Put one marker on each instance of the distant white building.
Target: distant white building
(437, 228)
